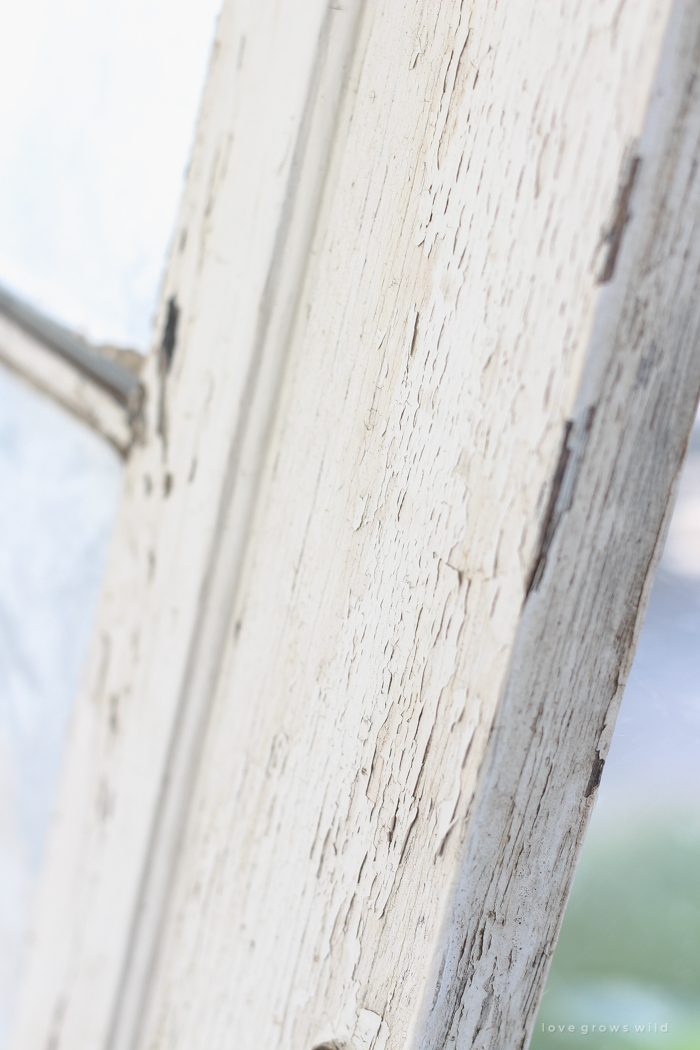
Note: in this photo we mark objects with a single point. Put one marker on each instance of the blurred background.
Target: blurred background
(97, 110)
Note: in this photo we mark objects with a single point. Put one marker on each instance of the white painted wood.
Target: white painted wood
(316, 638)
(242, 234)
(347, 783)
(576, 639)
(308, 169)
(30, 358)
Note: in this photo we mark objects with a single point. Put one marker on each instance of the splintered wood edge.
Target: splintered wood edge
(591, 583)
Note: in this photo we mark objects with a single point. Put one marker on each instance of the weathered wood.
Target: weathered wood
(412, 577)
(187, 493)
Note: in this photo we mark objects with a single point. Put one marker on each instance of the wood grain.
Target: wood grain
(382, 561)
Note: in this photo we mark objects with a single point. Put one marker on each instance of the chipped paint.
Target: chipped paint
(384, 823)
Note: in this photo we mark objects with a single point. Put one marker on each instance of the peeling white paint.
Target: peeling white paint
(384, 821)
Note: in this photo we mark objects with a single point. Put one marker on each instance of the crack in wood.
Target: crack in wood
(562, 492)
(167, 346)
(613, 237)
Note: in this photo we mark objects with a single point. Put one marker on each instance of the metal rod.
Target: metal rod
(113, 377)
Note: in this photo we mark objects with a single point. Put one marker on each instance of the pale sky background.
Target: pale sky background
(97, 108)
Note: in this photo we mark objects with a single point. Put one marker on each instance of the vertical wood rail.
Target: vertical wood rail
(254, 188)
(575, 643)
(278, 305)
(414, 433)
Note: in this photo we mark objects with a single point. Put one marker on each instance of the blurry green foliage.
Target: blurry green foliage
(629, 949)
